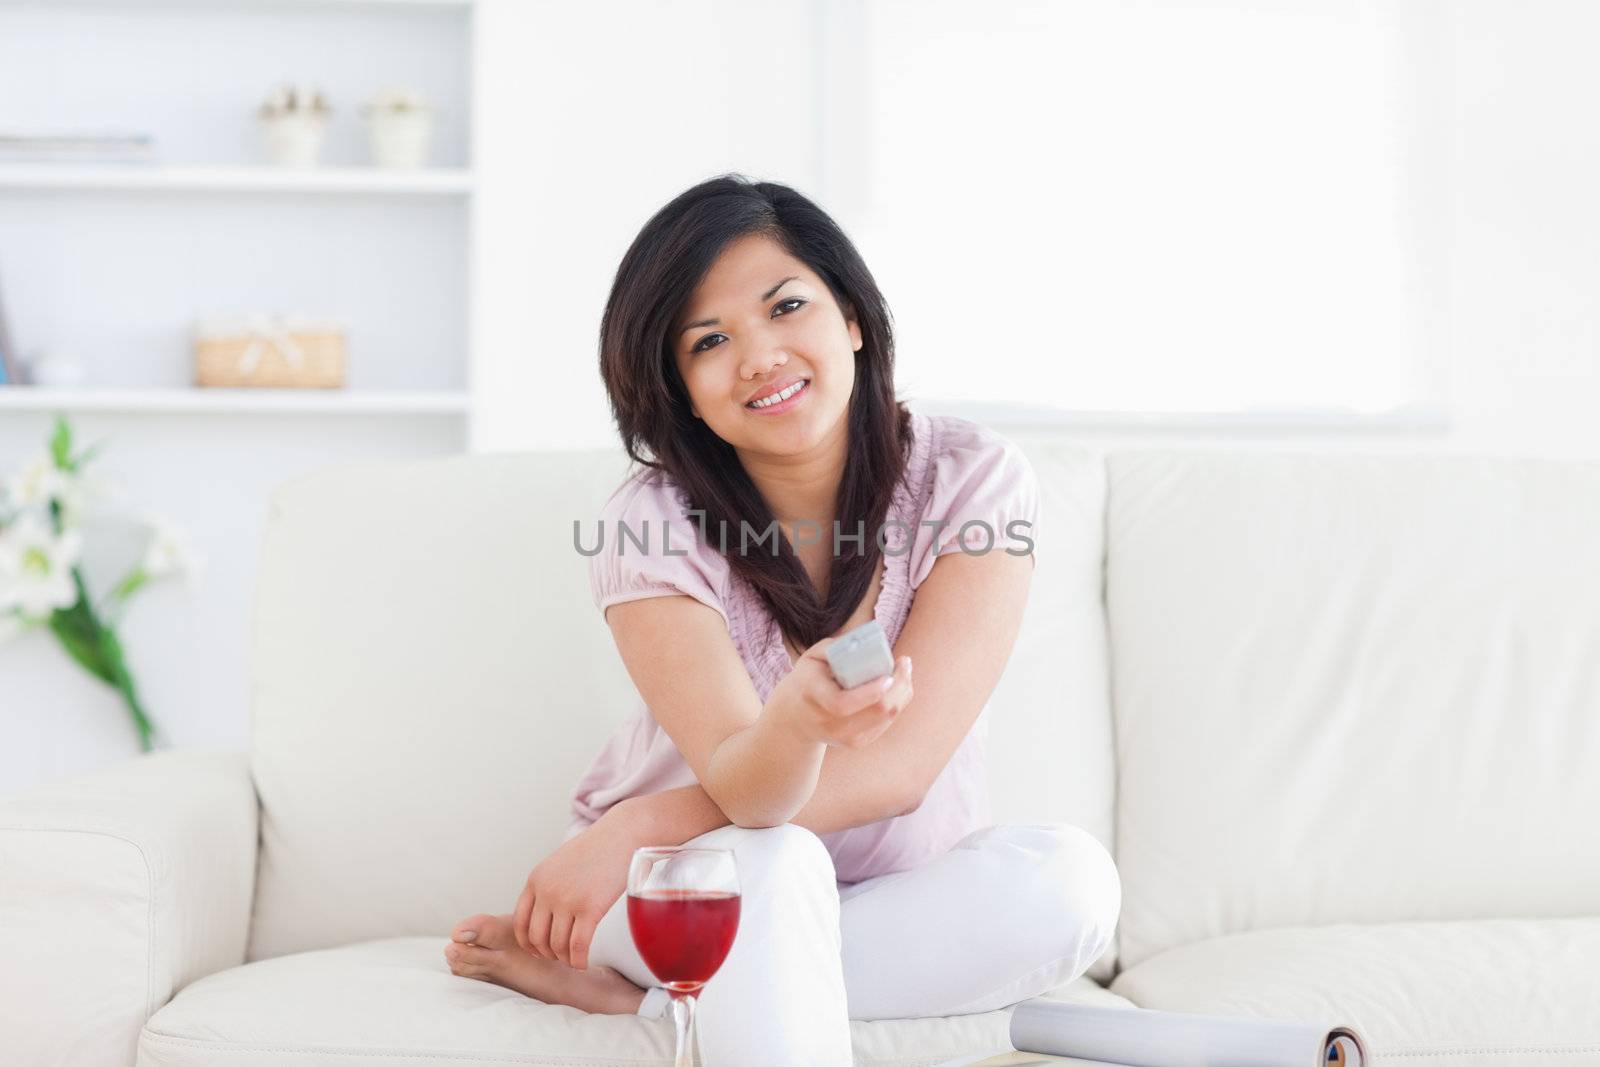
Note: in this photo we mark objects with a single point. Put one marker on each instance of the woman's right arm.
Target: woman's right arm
(847, 795)
(758, 765)
(843, 799)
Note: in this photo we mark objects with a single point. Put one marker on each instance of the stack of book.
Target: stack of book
(67, 146)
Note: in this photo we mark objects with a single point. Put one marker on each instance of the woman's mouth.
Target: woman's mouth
(783, 401)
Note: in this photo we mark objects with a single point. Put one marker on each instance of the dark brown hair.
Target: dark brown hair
(657, 276)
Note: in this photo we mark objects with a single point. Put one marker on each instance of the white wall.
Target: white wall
(1505, 159)
(1524, 164)
(586, 130)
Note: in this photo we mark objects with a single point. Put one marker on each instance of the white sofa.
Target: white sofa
(1338, 717)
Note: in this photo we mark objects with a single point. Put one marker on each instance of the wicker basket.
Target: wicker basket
(269, 352)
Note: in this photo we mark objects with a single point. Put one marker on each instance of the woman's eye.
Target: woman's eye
(701, 345)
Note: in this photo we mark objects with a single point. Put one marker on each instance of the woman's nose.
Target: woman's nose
(764, 362)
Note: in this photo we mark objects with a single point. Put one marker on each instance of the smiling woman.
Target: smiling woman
(749, 360)
(731, 293)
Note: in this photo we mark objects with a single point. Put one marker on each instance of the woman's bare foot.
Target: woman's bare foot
(493, 955)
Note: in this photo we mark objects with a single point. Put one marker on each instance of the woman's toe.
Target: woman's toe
(494, 931)
(472, 928)
(474, 955)
(469, 960)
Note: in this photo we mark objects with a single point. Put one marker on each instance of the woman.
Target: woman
(873, 885)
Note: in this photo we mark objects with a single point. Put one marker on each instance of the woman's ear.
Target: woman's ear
(855, 331)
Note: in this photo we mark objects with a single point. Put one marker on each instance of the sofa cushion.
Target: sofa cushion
(1480, 993)
(397, 999)
(1351, 689)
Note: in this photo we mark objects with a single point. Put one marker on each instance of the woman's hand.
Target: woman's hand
(811, 703)
(571, 890)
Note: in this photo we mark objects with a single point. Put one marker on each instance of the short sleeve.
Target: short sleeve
(984, 497)
(649, 546)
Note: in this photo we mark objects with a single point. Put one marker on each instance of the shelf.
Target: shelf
(235, 401)
(144, 176)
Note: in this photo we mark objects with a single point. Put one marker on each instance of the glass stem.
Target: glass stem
(683, 1021)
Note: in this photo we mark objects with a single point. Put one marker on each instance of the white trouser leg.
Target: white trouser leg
(779, 998)
(1008, 913)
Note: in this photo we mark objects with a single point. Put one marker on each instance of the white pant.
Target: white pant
(1008, 913)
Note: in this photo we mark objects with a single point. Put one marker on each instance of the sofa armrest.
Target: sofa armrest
(117, 889)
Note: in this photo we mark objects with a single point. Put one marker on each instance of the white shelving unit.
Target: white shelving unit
(116, 263)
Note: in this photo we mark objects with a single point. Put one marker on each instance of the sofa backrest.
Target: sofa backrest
(429, 678)
(1351, 689)
(426, 673)
(1049, 741)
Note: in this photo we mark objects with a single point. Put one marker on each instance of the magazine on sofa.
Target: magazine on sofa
(1140, 1037)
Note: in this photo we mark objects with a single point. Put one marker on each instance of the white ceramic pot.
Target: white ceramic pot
(295, 140)
(400, 138)
(58, 369)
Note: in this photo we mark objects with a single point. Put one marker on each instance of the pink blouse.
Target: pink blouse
(957, 472)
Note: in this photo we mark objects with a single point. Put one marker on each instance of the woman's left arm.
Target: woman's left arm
(963, 623)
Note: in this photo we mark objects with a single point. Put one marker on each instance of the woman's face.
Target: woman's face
(775, 323)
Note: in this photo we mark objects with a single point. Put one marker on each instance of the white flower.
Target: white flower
(36, 566)
(11, 625)
(82, 491)
(169, 551)
(39, 482)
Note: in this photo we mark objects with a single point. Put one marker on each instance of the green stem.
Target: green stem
(124, 683)
(96, 646)
(76, 629)
(89, 640)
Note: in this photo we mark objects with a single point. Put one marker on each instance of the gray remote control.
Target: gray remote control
(860, 655)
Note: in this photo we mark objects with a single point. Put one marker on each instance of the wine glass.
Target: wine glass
(683, 912)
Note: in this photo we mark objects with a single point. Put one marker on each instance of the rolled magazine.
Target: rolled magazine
(1140, 1037)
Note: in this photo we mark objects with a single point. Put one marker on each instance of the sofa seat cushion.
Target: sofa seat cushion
(1474, 993)
(396, 998)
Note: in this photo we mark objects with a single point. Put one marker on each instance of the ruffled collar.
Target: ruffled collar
(755, 630)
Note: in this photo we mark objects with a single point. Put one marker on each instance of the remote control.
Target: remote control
(860, 655)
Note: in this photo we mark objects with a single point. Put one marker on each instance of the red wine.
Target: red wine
(683, 935)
